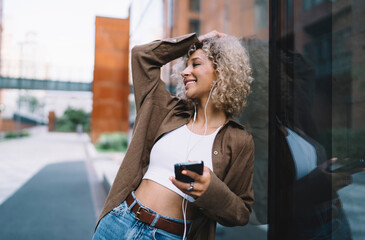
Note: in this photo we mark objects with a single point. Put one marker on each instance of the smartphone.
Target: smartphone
(196, 166)
(357, 164)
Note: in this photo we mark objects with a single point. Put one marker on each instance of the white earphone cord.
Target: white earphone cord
(184, 204)
(205, 110)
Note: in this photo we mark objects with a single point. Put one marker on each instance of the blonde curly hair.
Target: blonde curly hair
(233, 71)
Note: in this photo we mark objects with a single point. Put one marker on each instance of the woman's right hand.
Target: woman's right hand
(211, 34)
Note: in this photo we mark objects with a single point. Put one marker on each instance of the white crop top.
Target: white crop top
(178, 146)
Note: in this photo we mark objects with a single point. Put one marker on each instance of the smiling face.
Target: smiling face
(199, 76)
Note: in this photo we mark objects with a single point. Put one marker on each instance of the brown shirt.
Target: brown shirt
(229, 196)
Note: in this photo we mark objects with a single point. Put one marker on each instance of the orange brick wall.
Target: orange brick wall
(9, 125)
(110, 86)
(51, 121)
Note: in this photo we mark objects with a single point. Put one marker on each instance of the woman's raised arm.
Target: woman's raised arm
(149, 58)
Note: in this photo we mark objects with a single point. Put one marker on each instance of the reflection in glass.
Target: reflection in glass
(319, 120)
(256, 120)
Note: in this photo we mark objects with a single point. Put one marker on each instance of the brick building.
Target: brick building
(235, 17)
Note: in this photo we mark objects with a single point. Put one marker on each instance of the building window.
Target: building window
(194, 26)
(290, 8)
(261, 14)
(341, 51)
(319, 51)
(195, 5)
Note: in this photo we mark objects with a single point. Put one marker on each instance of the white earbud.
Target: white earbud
(194, 112)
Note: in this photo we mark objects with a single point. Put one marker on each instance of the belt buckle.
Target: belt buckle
(139, 212)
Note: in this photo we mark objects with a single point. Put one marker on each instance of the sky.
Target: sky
(64, 33)
(65, 30)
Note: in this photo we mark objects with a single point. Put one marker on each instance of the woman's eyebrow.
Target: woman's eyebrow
(194, 58)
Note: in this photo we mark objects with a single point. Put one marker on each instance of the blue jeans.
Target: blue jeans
(121, 223)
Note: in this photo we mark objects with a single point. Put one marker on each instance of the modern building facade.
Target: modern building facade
(235, 17)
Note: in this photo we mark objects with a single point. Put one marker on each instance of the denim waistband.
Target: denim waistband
(157, 214)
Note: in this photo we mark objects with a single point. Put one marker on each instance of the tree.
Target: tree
(71, 118)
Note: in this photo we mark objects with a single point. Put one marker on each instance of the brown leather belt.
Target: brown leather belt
(144, 215)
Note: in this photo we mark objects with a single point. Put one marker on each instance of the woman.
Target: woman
(146, 201)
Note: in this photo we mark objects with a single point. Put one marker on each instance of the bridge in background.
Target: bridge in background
(52, 85)
(36, 84)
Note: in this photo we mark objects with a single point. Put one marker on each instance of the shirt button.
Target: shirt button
(215, 153)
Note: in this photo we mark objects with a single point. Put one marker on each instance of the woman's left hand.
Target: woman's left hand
(211, 34)
(200, 184)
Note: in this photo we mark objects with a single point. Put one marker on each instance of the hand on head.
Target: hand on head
(211, 34)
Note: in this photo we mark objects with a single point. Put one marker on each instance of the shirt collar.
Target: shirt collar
(230, 120)
(233, 121)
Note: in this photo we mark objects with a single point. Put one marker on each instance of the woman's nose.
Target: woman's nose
(185, 73)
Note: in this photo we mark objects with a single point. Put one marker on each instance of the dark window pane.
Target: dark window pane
(194, 26)
(194, 5)
(261, 14)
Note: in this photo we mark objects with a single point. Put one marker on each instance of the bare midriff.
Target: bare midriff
(162, 200)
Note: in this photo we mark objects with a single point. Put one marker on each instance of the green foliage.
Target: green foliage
(71, 118)
(112, 142)
(11, 135)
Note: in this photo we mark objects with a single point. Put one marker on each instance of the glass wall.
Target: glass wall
(253, 32)
(317, 125)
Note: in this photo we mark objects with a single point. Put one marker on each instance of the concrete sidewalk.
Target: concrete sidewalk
(54, 204)
(20, 159)
(48, 187)
(106, 165)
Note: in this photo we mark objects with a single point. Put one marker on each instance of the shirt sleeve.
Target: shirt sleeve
(149, 58)
(229, 201)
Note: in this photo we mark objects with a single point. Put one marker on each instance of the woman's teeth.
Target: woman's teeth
(190, 82)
